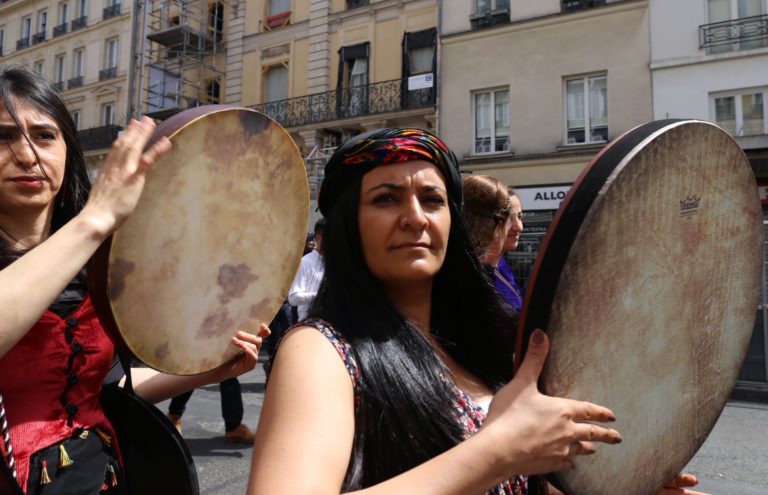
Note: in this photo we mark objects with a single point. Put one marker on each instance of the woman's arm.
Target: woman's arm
(154, 386)
(306, 428)
(30, 284)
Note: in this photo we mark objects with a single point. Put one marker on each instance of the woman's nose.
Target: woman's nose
(22, 152)
(413, 214)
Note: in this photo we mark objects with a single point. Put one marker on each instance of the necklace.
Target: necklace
(506, 282)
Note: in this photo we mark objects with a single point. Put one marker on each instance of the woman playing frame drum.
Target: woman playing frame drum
(54, 354)
(400, 380)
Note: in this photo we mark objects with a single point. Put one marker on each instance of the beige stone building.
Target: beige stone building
(329, 69)
(82, 47)
(529, 92)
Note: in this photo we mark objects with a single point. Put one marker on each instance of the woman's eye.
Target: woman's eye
(46, 136)
(384, 198)
(435, 200)
(5, 136)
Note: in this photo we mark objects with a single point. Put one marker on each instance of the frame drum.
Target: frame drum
(212, 246)
(647, 284)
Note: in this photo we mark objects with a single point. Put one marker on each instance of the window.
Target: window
(278, 13)
(63, 13)
(108, 114)
(2, 40)
(569, 5)
(482, 6)
(26, 27)
(213, 91)
(42, 21)
(38, 67)
(58, 69)
(276, 91)
(353, 4)
(76, 119)
(78, 65)
(82, 8)
(489, 13)
(491, 121)
(418, 68)
(216, 20)
(352, 85)
(111, 55)
(742, 114)
(586, 101)
(733, 26)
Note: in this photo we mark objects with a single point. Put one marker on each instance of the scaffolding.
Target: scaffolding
(179, 59)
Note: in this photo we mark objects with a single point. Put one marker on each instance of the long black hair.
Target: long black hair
(405, 415)
(21, 84)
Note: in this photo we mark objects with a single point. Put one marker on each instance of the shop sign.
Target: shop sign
(542, 198)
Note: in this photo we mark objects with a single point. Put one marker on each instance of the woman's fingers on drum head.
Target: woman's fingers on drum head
(595, 433)
(587, 411)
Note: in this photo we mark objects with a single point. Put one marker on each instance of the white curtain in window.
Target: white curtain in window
(359, 74)
(749, 8)
(279, 6)
(718, 10)
(598, 102)
(725, 113)
(482, 122)
(501, 113)
(575, 103)
(482, 6)
(420, 60)
(276, 87)
(753, 117)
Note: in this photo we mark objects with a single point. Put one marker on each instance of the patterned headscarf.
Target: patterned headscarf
(366, 151)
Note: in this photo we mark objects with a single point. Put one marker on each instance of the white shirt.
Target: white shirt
(306, 282)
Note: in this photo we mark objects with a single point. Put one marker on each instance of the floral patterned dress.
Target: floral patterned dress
(468, 413)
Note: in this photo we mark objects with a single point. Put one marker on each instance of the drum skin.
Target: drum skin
(656, 298)
(213, 244)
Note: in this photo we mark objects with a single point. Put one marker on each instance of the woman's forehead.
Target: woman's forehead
(418, 170)
(26, 112)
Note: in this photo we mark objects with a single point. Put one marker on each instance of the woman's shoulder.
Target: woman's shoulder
(334, 337)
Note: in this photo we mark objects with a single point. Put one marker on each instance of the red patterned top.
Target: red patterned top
(51, 381)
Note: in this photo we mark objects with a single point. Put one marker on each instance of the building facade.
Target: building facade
(709, 61)
(82, 47)
(529, 92)
(330, 69)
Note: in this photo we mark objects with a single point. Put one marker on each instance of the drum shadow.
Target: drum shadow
(217, 447)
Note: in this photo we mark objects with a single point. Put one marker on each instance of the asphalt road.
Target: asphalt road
(733, 460)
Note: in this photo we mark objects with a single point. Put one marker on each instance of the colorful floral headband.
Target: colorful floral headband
(362, 153)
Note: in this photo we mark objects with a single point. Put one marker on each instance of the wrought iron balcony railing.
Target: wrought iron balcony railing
(38, 38)
(569, 5)
(489, 18)
(75, 82)
(79, 23)
(60, 29)
(109, 73)
(98, 138)
(744, 33)
(111, 11)
(370, 99)
(59, 85)
(22, 43)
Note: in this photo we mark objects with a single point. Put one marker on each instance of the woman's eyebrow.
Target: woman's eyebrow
(386, 185)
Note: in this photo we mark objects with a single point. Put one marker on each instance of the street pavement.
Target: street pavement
(733, 460)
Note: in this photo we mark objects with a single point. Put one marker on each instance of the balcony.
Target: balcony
(98, 138)
(75, 82)
(22, 43)
(59, 85)
(570, 5)
(38, 38)
(371, 99)
(60, 30)
(738, 34)
(111, 11)
(109, 73)
(489, 18)
(79, 23)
